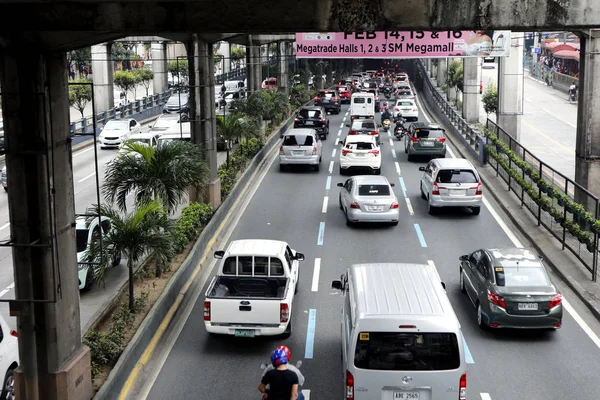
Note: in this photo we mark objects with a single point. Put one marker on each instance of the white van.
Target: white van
(400, 336)
(362, 105)
(179, 131)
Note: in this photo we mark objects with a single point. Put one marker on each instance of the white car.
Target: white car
(116, 131)
(301, 147)
(407, 109)
(360, 152)
(164, 122)
(9, 359)
(83, 237)
(148, 138)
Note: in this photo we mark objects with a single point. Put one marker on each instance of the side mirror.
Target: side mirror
(347, 125)
(340, 185)
(299, 256)
(336, 285)
(444, 285)
(219, 254)
(421, 168)
(392, 184)
(463, 257)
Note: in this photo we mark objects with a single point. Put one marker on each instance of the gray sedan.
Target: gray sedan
(366, 198)
(511, 289)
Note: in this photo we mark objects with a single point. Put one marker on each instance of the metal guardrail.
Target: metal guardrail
(85, 125)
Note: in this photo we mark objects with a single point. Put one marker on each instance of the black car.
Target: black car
(330, 100)
(315, 118)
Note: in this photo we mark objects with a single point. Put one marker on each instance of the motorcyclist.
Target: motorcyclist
(386, 114)
(399, 128)
(291, 367)
(572, 91)
(283, 383)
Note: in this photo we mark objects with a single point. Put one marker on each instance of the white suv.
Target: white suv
(360, 152)
(9, 359)
(407, 109)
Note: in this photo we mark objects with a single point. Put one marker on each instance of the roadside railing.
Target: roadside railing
(145, 107)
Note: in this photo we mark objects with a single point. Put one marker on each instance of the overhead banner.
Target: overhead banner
(409, 44)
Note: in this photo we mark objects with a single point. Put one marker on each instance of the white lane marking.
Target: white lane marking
(344, 119)
(333, 153)
(505, 228)
(306, 393)
(337, 141)
(570, 124)
(87, 177)
(339, 132)
(409, 206)
(325, 202)
(398, 168)
(331, 166)
(6, 225)
(391, 142)
(527, 100)
(485, 396)
(83, 151)
(586, 328)
(8, 289)
(316, 272)
(341, 125)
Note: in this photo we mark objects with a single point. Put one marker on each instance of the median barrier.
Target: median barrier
(210, 236)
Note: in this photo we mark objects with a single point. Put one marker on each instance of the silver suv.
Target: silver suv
(300, 147)
(451, 182)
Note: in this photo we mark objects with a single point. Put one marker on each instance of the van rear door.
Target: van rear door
(406, 365)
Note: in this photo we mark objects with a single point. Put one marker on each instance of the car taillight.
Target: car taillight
(296, 120)
(373, 133)
(354, 205)
(435, 189)
(207, 310)
(414, 109)
(349, 386)
(478, 189)
(374, 152)
(394, 205)
(323, 120)
(414, 139)
(317, 98)
(346, 151)
(314, 150)
(462, 387)
(556, 300)
(496, 299)
(441, 139)
(281, 150)
(335, 99)
(352, 133)
(14, 333)
(397, 109)
(284, 312)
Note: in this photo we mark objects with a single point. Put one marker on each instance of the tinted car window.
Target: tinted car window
(373, 190)
(405, 103)
(298, 140)
(360, 145)
(391, 351)
(363, 125)
(310, 113)
(426, 133)
(359, 100)
(522, 276)
(404, 93)
(81, 237)
(456, 176)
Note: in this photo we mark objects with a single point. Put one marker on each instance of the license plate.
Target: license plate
(457, 191)
(406, 395)
(309, 123)
(405, 109)
(244, 332)
(325, 100)
(376, 208)
(360, 154)
(298, 152)
(426, 144)
(528, 306)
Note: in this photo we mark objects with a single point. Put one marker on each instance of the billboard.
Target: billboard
(409, 44)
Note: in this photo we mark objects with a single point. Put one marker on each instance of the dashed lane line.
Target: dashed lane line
(339, 132)
(310, 334)
(86, 177)
(306, 393)
(321, 236)
(337, 141)
(342, 125)
(485, 396)
(331, 166)
(420, 235)
(325, 203)
(391, 143)
(328, 184)
(398, 170)
(316, 272)
(394, 153)
(403, 186)
(409, 206)
(333, 153)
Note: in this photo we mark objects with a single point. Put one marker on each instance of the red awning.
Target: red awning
(554, 45)
(567, 54)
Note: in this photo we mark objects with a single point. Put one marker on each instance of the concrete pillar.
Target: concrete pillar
(328, 74)
(428, 66)
(249, 66)
(284, 66)
(470, 105)
(225, 50)
(54, 365)
(510, 87)
(441, 71)
(258, 63)
(102, 77)
(203, 120)
(587, 145)
(159, 67)
(307, 73)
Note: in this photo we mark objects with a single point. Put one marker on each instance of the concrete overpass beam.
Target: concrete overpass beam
(159, 67)
(587, 145)
(470, 105)
(510, 87)
(102, 76)
(54, 363)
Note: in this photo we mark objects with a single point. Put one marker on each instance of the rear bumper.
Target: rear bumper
(312, 160)
(426, 151)
(499, 316)
(448, 201)
(258, 330)
(355, 215)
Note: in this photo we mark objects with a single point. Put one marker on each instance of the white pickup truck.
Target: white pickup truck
(253, 292)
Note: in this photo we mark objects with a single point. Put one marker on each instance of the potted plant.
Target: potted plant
(590, 245)
(563, 200)
(595, 228)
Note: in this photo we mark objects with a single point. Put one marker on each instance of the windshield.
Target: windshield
(81, 239)
(521, 276)
(117, 125)
(392, 351)
(373, 190)
(310, 114)
(175, 99)
(298, 140)
(366, 125)
(429, 133)
(166, 121)
(405, 103)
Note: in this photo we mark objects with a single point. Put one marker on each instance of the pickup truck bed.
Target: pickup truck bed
(248, 287)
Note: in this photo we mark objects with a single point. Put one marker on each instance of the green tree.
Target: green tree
(455, 77)
(235, 126)
(126, 81)
(267, 105)
(145, 77)
(146, 230)
(80, 94)
(163, 173)
(123, 52)
(218, 58)
(490, 99)
(178, 67)
(238, 54)
(80, 57)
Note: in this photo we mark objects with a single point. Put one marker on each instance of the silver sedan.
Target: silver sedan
(367, 198)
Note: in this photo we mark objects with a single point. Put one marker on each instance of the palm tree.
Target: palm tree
(234, 126)
(163, 173)
(143, 231)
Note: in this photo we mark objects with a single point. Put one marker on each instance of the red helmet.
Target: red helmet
(286, 351)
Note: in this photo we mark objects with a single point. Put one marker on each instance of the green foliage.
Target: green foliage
(267, 105)
(193, 218)
(145, 76)
(228, 173)
(490, 99)
(80, 57)
(80, 95)
(178, 67)
(125, 80)
(454, 78)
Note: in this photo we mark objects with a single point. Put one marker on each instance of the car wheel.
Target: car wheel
(117, 259)
(342, 171)
(378, 171)
(431, 210)
(8, 389)
(348, 222)
(320, 159)
(422, 192)
(462, 281)
(89, 280)
(476, 210)
(288, 330)
(324, 137)
(395, 223)
(281, 167)
(316, 167)
(340, 200)
(480, 322)
(410, 157)
(406, 149)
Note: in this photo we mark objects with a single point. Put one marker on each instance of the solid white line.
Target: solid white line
(409, 206)
(586, 328)
(4, 226)
(2, 293)
(325, 202)
(316, 272)
(570, 124)
(505, 228)
(87, 177)
(82, 152)
(398, 168)
(331, 166)
(485, 396)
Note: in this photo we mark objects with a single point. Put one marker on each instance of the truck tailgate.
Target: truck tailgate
(245, 311)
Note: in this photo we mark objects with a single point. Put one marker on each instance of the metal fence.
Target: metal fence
(566, 209)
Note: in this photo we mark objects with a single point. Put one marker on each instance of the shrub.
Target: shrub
(193, 218)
